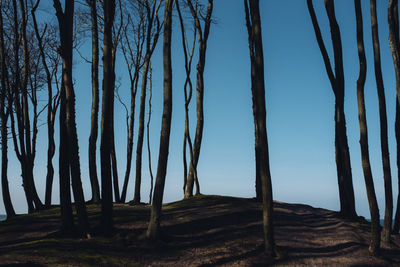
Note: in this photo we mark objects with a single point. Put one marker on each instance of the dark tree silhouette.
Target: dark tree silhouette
(133, 56)
(203, 38)
(253, 23)
(153, 230)
(94, 125)
(69, 165)
(369, 183)
(151, 42)
(5, 109)
(387, 225)
(393, 20)
(188, 95)
(345, 180)
(106, 118)
(52, 101)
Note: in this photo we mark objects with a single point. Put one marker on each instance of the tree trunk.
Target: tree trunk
(139, 148)
(203, 37)
(4, 114)
(68, 133)
(153, 230)
(117, 197)
(387, 225)
(106, 119)
(396, 224)
(253, 23)
(50, 113)
(94, 182)
(342, 154)
(369, 183)
(67, 219)
(393, 19)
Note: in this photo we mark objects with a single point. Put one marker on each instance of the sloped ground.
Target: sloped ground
(203, 231)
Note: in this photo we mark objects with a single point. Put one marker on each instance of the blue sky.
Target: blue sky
(300, 110)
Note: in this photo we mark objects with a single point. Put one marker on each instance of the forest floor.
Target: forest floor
(203, 231)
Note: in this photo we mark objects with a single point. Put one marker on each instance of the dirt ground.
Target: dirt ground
(203, 231)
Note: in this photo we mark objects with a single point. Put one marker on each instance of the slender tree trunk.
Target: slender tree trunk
(342, 154)
(203, 37)
(117, 197)
(106, 119)
(151, 42)
(4, 114)
(153, 230)
(139, 148)
(50, 113)
(148, 137)
(29, 143)
(387, 226)
(396, 224)
(253, 23)
(94, 182)
(369, 183)
(393, 20)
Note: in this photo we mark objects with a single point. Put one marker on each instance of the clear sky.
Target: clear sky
(300, 110)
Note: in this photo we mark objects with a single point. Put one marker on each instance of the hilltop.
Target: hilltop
(203, 231)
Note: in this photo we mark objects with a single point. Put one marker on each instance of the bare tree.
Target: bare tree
(94, 127)
(134, 61)
(153, 30)
(5, 109)
(52, 100)
(369, 182)
(387, 226)
(253, 23)
(106, 118)
(188, 95)
(343, 166)
(69, 165)
(202, 40)
(393, 20)
(153, 230)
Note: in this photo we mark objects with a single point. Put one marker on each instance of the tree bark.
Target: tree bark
(342, 154)
(94, 125)
(106, 119)
(369, 182)
(153, 230)
(253, 23)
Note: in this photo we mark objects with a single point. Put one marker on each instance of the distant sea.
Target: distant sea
(3, 217)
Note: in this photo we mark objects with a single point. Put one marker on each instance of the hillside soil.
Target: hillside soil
(203, 231)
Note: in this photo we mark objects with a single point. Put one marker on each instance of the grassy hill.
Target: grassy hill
(203, 231)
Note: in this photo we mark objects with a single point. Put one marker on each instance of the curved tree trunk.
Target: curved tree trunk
(369, 183)
(203, 37)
